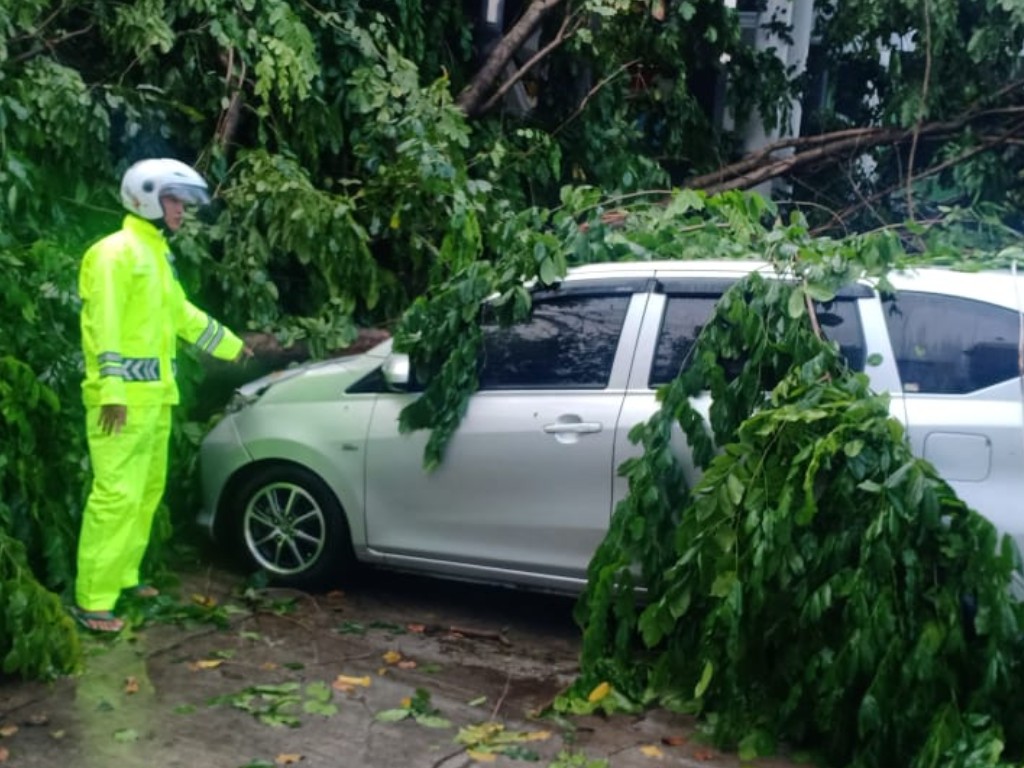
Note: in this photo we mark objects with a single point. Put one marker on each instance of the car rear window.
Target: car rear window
(569, 342)
(950, 345)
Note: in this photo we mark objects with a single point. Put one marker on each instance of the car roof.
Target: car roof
(993, 286)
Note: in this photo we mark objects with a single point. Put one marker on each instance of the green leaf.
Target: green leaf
(432, 721)
(757, 743)
(818, 292)
(705, 680)
(796, 306)
(319, 691)
(868, 716)
(736, 488)
(723, 584)
(392, 715)
(314, 707)
(548, 271)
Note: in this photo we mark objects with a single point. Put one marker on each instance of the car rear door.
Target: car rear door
(961, 388)
(526, 482)
(676, 314)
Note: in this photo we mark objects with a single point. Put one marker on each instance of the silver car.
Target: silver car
(308, 474)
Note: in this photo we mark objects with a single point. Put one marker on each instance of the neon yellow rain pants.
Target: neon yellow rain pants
(129, 474)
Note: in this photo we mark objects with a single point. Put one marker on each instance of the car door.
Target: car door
(680, 309)
(961, 389)
(525, 485)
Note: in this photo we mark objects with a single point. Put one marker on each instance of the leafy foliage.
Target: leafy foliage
(817, 583)
(38, 639)
(348, 186)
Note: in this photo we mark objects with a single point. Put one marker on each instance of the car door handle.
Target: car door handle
(573, 427)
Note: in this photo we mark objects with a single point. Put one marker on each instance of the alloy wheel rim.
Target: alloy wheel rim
(285, 528)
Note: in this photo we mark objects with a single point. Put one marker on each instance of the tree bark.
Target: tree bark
(473, 96)
(807, 150)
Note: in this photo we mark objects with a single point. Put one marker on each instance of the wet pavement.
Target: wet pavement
(297, 679)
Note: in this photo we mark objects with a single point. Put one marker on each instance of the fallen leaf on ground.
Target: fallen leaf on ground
(481, 757)
(39, 718)
(477, 701)
(204, 600)
(599, 692)
(405, 703)
(673, 741)
(195, 666)
(288, 759)
(407, 664)
(131, 685)
(58, 734)
(126, 735)
(382, 671)
(347, 684)
(268, 666)
(8, 730)
(537, 736)
(649, 750)
(4, 754)
(704, 754)
(417, 629)
(392, 657)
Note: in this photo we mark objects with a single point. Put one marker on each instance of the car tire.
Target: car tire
(289, 524)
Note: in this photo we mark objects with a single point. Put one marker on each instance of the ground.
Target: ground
(177, 695)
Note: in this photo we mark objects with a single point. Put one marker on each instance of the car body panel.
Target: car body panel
(509, 494)
(529, 480)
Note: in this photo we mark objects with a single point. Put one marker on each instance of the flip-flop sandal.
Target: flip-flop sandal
(104, 622)
(145, 591)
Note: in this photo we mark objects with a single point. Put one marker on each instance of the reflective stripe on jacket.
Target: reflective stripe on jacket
(133, 312)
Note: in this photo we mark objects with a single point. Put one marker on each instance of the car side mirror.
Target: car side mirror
(396, 372)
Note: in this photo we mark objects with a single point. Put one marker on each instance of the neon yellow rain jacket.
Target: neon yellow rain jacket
(133, 311)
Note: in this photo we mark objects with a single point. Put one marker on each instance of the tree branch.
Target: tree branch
(985, 146)
(518, 75)
(760, 167)
(473, 95)
(590, 94)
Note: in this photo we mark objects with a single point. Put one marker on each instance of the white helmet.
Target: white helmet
(147, 180)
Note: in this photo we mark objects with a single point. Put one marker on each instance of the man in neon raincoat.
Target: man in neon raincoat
(133, 312)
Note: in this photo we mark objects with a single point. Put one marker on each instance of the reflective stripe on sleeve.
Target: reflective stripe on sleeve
(111, 369)
(210, 338)
(111, 364)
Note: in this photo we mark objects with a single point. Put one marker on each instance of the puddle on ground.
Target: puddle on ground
(113, 705)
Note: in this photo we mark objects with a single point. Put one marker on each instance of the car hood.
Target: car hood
(336, 372)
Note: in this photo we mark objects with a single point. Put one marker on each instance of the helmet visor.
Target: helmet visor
(186, 193)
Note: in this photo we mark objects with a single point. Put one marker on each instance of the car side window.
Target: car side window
(569, 342)
(951, 345)
(681, 324)
(686, 315)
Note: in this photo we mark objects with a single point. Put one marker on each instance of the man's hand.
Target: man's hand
(244, 354)
(113, 418)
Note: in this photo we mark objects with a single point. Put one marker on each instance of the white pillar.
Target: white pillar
(798, 16)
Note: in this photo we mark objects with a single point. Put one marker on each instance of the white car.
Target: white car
(308, 473)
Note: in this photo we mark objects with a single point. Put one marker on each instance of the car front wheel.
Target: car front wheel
(290, 525)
